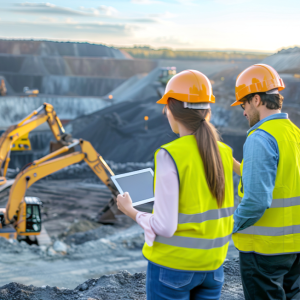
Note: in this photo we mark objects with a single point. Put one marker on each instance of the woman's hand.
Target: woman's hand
(124, 203)
(236, 167)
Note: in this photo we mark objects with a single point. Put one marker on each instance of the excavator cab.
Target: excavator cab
(166, 74)
(29, 220)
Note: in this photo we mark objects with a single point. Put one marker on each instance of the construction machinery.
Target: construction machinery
(16, 138)
(22, 215)
(30, 92)
(166, 73)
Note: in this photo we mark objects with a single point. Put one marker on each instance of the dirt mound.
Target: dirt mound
(81, 226)
(90, 235)
(119, 132)
(122, 285)
(285, 60)
(13, 246)
(49, 48)
(109, 287)
(66, 68)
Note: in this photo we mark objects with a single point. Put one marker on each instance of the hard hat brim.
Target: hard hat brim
(186, 98)
(236, 103)
(163, 100)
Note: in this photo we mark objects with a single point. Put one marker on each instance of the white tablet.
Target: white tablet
(139, 185)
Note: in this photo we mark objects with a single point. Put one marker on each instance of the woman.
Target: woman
(188, 234)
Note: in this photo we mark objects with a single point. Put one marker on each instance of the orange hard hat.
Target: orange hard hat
(255, 79)
(188, 86)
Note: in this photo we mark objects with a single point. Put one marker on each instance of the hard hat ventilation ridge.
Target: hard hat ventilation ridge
(273, 91)
(196, 105)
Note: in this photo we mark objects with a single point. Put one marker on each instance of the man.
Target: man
(2, 88)
(267, 221)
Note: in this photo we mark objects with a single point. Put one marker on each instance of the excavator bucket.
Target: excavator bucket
(57, 145)
(109, 214)
(66, 139)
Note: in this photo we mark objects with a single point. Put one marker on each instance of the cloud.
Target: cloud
(70, 21)
(186, 2)
(171, 40)
(40, 8)
(166, 15)
(70, 26)
(48, 19)
(145, 1)
(101, 10)
(230, 2)
(108, 10)
(49, 8)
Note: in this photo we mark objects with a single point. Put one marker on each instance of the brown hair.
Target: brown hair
(207, 136)
(272, 101)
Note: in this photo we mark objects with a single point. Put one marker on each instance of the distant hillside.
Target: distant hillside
(149, 53)
(54, 48)
(285, 60)
(66, 68)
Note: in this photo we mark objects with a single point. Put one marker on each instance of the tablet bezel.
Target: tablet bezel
(130, 174)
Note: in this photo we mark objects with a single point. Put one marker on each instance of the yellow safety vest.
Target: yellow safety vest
(201, 240)
(278, 230)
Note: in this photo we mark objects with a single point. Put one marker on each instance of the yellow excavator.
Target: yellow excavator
(22, 215)
(16, 138)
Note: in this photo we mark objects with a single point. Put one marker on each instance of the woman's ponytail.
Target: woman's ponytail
(207, 136)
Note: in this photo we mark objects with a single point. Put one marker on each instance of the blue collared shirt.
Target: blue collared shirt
(261, 156)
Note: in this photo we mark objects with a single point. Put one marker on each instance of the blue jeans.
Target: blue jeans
(170, 284)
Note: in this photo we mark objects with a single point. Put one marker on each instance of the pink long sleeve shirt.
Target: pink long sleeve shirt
(164, 221)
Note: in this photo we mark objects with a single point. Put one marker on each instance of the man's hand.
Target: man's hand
(236, 166)
(124, 203)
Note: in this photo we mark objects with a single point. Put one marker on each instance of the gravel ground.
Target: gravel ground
(90, 235)
(122, 285)
(81, 251)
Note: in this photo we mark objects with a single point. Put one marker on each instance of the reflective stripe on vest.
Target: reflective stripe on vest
(271, 231)
(277, 203)
(278, 230)
(213, 214)
(193, 243)
(201, 240)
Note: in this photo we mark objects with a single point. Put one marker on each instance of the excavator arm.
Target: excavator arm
(15, 212)
(43, 114)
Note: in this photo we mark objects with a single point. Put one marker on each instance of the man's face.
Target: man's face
(251, 113)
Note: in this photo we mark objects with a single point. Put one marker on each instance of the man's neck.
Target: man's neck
(268, 112)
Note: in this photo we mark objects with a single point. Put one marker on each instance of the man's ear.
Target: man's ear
(256, 100)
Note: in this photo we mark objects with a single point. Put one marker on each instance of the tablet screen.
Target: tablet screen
(138, 184)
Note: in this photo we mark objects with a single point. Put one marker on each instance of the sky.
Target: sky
(253, 25)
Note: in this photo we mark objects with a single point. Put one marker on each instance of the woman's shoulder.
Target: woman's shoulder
(225, 148)
(184, 141)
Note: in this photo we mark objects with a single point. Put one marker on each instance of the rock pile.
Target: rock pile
(90, 235)
(285, 60)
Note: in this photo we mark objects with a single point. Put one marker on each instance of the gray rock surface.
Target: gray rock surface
(14, 109)
(90, 235)
(49, 48)
(70, 69)
(60, 246)
(285, 60)
(122, 285)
